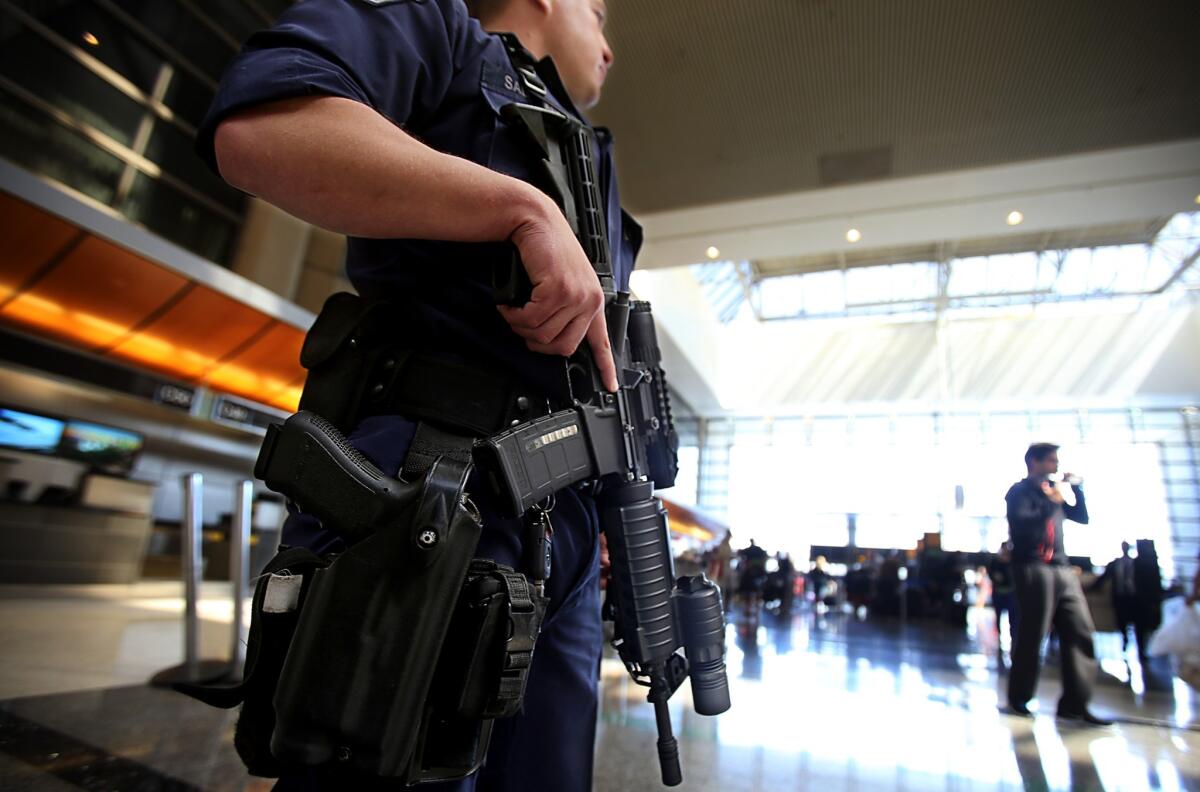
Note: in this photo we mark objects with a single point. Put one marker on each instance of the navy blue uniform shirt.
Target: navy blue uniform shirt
(1035, 523)
(431, 69)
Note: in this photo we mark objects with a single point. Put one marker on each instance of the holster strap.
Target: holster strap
(525, 611)
(431, 443)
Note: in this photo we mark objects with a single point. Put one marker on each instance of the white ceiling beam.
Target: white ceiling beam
(1078, 191)
(688, 333)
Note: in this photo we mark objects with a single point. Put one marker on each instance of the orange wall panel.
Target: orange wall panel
(109, 301)
(95, 295)
(190, 337)
(268, 370)
(31, 238)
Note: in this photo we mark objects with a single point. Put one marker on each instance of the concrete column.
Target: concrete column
(324, 269)
(271, 248)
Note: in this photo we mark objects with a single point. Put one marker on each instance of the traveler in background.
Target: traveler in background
(1004, 596)
(1118, 576)
(1048, 590)
(720, 567)
(1148, 595)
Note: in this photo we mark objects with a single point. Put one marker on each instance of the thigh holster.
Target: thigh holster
(392, 658)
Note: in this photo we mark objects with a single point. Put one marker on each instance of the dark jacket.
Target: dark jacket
(1035, 523)
(1119, 574)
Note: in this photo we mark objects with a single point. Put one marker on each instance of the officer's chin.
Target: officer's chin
(589, 96)
(589, 101)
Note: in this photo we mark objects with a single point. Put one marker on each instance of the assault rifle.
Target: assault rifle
(621, 445)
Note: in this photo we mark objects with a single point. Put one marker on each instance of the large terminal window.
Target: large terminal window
(104, 97)
(797, 482)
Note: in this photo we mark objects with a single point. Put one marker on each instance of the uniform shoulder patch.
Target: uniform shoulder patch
(498, 78)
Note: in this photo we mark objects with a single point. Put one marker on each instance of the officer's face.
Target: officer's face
(578, 47)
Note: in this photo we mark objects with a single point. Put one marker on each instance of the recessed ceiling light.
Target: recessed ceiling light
(712, 252)
(1198, 199)
(853, 235)
(90, 38)
(1014, 218)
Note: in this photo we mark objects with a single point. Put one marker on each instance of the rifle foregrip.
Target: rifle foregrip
(642, 577)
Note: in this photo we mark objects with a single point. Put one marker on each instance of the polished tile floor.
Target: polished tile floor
(833, 703)
(820, 702)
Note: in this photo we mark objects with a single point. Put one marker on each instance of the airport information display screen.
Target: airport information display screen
(103, 448)
(26, 432)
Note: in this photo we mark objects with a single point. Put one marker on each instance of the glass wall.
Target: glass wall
(687, 483)
(104, 97)
(882, 481)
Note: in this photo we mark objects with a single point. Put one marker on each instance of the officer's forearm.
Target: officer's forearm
(340, 165)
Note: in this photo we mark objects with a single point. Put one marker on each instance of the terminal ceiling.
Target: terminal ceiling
(714, 101)
(768, 128)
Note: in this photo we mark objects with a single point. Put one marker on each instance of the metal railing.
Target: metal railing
(195, 669)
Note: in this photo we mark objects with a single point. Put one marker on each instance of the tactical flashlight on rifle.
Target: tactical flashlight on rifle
(622, 445)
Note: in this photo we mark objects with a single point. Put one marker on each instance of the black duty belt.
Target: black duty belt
(358, 367)
(425, 387)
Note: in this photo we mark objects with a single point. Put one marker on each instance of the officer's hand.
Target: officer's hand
(567, 303)
(1052, 492)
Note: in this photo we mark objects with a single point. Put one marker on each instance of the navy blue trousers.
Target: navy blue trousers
(549, 745)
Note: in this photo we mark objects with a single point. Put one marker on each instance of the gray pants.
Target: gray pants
(1046, 594)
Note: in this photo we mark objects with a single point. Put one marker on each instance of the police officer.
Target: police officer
(380, 119)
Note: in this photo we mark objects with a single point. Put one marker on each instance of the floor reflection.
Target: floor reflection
(748, 643)
(830, 701)
(822, 701)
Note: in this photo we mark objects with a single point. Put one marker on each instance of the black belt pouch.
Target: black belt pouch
(354, 688)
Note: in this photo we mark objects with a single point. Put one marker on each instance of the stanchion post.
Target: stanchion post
(239, 567)
(192, 670)
(192, 560)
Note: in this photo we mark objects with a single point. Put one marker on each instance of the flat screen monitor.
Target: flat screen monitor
(27, 432)
(104, 448)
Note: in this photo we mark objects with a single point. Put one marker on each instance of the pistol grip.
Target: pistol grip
(510, 282)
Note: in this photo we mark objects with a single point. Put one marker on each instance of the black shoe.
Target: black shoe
(1020, 710)
(1084, 717)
